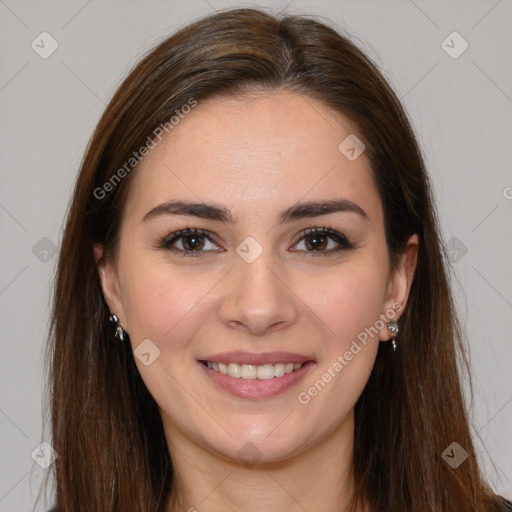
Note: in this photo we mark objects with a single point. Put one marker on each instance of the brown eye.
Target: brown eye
(189, 242)
(192, 242)
(317, 240)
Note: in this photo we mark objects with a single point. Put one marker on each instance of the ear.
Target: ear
(109, 282)
(399, 284)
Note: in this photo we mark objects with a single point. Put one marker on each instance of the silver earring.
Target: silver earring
(393, 327)
(119, 333)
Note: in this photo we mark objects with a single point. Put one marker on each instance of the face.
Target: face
(264, 287)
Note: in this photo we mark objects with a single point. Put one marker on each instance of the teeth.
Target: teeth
(252, 371)
(265, 372)
(279, 370)
(248, 371)
(234, 370)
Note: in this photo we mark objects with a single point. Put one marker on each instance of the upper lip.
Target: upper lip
(256, 359)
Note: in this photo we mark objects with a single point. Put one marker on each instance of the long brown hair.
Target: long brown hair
(106, 426)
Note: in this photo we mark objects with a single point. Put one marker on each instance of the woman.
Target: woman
(251, 307)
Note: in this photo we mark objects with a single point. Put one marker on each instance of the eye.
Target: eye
(317, 239)
(191, 240)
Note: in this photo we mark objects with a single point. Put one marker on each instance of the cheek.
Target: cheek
(161, 302)
(349, 301)
(350, 307)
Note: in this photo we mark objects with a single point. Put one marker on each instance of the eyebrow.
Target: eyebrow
(217, 212)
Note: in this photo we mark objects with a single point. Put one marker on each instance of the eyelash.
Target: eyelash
(167, 241)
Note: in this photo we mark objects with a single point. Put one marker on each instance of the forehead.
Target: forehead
(254, 152)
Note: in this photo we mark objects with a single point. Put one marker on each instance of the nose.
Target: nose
(257, 297)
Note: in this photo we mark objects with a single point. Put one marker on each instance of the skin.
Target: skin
(256, 155)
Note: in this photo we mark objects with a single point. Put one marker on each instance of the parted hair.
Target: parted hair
(105, 425)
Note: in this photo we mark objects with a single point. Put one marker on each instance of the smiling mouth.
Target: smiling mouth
(251, 371)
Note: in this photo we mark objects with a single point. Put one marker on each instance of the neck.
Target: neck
(317, 479)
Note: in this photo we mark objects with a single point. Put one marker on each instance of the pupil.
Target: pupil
(196, 241)
(315, 241)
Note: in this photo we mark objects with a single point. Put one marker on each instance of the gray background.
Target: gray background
(460, 108)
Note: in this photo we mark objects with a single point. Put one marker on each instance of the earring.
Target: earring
(119, 333)
(393, 327)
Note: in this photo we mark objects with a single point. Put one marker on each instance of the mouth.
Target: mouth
(256, 376)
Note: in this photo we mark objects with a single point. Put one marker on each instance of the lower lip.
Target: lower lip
(256, 388)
